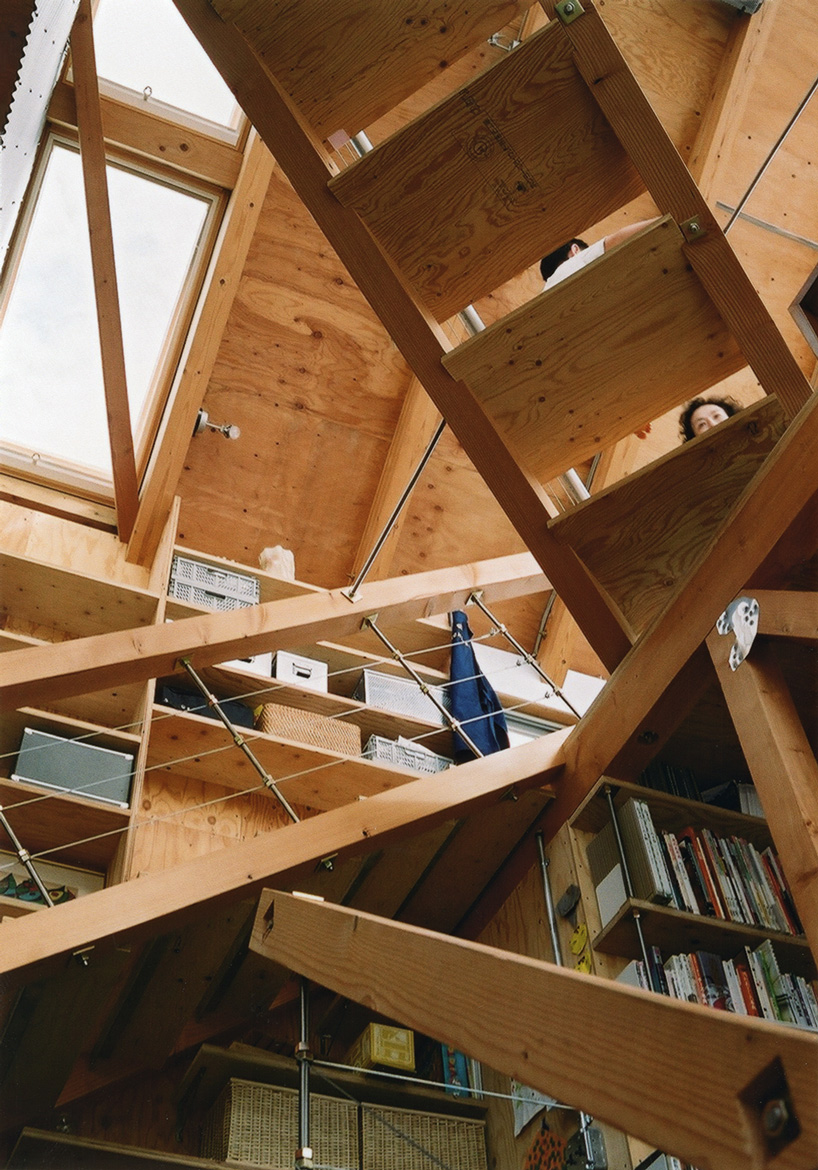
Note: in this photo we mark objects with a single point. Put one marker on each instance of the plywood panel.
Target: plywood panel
(493, 178)
(345, 65)
(590, 360)
(641, 536)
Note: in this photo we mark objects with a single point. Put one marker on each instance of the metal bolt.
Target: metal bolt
(568, 8)
(774, 1117)
(693, 227)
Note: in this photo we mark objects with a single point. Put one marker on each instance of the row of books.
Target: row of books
(751, 984)
(692, 870)
(678, 781)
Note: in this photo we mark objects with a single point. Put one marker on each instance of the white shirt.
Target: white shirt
(574, 263)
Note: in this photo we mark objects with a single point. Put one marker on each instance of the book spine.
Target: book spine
(765, 999)
(656, 859)
(737, 1003)
(706, 877)
(738, 884)
(722, 878)
(749, 994)
(683, 880)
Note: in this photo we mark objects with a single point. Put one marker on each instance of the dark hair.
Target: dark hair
(550, 263)
(728, 405)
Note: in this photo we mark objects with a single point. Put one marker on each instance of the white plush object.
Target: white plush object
(278, 562)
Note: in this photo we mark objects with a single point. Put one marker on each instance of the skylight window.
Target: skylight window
(52, 403)
(145, 46)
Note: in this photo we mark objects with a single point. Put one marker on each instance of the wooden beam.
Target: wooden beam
(139, 129)
(33, 677)
(733, 88)
(675, 193)
(92, 151)
(160, 902)
(677, 1075)
(202, 346)
(419, 338)
(787, 614)
(419, 418)
(782, 764)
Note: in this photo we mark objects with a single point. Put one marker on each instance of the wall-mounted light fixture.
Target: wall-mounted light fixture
(203, 423)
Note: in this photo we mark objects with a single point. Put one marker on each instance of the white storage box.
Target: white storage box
(257, 664)
(302, 672)
(211, 586)
(390, 692)
(405, 753)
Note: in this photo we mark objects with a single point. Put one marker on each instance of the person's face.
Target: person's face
(707, 416)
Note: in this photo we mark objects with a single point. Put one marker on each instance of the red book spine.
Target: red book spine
(748, 990)
(690, 835)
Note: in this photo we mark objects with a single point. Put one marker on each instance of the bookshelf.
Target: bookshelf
(641, 923)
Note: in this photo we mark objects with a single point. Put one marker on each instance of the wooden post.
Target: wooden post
(782, 764)
(92, 152)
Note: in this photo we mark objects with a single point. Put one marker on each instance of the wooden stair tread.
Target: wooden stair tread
(344, 65)
(640, 536)
(586, 363)
(493, 177)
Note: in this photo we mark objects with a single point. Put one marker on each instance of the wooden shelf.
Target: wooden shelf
(212, 1067)
(309, 776)
(676, 931)
(82, 832)
(70, 601)
(47, 1150)
(670, 812)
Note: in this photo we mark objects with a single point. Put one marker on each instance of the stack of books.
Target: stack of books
(750, 984)
(692, 870)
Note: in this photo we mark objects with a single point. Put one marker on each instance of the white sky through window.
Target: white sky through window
(51, 390)
(146, 43)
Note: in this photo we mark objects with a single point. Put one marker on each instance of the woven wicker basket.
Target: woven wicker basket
(335, 735)
(258, 1125)
(399, 1139)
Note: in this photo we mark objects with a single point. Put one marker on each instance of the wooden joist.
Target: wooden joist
(160, 902)
(644, 1073)
(493, 178)
(345, 65)
(584, 363)
(35, 675)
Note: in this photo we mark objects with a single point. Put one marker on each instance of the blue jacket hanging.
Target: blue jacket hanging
(473, 701)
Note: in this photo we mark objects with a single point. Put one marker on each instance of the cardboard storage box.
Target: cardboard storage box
(384, 1045)
(302, 672)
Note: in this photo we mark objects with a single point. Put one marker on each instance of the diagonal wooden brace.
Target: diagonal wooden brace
(694, 1081)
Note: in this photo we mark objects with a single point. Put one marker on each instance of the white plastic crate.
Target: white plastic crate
(211, 586)
(390, 692)
(407, 755)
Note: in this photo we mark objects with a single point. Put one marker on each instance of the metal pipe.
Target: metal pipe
(304, 1056)
(453, 724)
(574, 486)
(771, 156)
(25, 857)
(549, 902)
(626, 878)
(390, 523)
(240, 742)
(475, 599)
